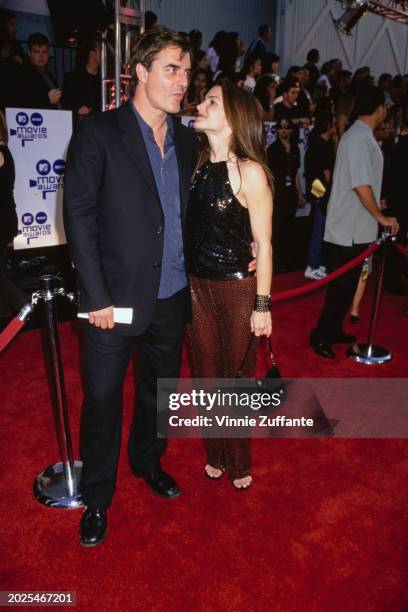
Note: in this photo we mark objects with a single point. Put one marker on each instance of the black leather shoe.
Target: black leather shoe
(160, 483)
(93, 527)
(343, 337)
(323, 349)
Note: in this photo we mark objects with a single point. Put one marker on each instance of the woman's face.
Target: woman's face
(210, 113)
(200, 81)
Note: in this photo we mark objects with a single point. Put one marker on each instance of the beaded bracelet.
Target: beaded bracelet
(262, 303)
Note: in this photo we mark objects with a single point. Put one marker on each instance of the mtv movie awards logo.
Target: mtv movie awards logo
(29, 128)
(34, 227)
(50, 177)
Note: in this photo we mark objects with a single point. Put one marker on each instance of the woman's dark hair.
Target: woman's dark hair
(250, 61)
(149, 44)
(323, 121)
(3, 128)
(312, 56)
(267, 62)
(217, 41)
(261, 91)
(245, 118)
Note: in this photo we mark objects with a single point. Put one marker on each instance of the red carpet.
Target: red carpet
(323, 528)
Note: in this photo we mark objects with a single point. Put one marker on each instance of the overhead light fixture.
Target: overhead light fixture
(348, 20)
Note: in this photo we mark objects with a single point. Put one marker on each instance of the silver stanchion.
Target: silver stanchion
(58, 484)
(370, 353)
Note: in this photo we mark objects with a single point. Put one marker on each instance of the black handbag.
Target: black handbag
(271, 383)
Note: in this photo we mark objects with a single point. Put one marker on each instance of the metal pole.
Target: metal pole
(103, 70)
(118, 53)
(370, 353)
(58, 485)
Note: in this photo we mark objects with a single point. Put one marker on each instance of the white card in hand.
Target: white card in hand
(120, 315)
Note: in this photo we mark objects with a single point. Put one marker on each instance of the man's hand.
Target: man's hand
(252, 263)
(301, 200)
(390, 222)
(54, 96)
(102, 318)
(83, 111)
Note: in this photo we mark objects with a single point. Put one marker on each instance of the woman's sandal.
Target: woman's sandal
(222, 470)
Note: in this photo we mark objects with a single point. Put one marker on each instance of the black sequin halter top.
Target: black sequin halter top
(218, 231)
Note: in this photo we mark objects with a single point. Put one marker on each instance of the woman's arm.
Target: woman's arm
(258, 199)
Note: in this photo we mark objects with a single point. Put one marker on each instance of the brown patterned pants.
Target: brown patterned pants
(219, 337)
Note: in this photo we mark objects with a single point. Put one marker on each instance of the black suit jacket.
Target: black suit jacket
(112, 213)
(31, 90)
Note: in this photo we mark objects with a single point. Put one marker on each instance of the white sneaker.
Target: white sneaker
(322, 269)
(314, 274)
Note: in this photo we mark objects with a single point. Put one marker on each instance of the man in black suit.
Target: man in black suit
(35, 86)
(126, 191)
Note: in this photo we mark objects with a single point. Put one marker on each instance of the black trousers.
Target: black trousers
(340, 292)
(107, 357)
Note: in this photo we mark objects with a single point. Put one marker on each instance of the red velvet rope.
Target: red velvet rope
(10, 331)
(401, 249)
(284, 295)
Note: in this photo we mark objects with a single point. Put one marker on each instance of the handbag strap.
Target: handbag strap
(241, 367)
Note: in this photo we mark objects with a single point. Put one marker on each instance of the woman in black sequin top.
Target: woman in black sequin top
(230, 208)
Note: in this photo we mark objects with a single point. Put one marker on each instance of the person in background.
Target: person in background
(81, 90)
(353, 215)
(319, 164)
(258, 48)
(196, 40)
(230, 206)
(11, 57)
(327, 74)
(150, 19)
(312, 59)
(201, 60)
(284, 161)
(304, 99)
(385, 84)
(36, 87)
(270, 66)
(265, 92)
(322, 101)
(252, 70)
(196, 91)
(215, 48)
(342, 101)
(287, 108)
(12, 299)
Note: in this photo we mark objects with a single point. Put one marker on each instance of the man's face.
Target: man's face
(291, 96)
(166, 82)
(284, 130)
(267, 35)
(38, 56)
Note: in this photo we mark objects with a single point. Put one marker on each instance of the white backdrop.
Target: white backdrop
(38, 141)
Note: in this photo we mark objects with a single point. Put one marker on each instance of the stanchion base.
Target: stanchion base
(369, 354)
(50, 487)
